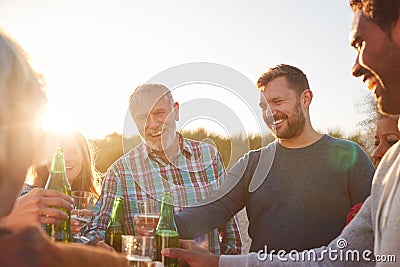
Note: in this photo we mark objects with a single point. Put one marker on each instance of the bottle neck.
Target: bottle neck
(167, 210)
(58, 162)
(167, 220)
(117, 216)
(57, 178)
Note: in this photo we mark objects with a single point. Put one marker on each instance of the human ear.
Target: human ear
(306, 98)
(176, 111)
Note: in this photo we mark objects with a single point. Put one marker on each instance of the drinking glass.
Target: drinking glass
(83, 211)
(139, 250)
(149, 214)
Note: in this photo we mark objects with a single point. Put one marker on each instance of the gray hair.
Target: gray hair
(143, 89)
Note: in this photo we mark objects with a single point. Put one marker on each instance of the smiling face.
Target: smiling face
(155, 117)
(378, 61)
(285, 117)
(73, 161)
(387, 134)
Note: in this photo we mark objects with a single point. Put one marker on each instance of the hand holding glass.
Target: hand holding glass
(149, 214)
(83, 209)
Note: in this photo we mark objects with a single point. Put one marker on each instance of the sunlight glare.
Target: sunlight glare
(56, 120)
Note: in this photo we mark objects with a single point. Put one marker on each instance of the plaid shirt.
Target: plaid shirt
(140, 174)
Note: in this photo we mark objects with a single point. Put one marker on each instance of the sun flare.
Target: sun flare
(56, 120)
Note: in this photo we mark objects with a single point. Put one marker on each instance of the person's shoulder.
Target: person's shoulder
(254, 155)
(349, 151)
(129, 156)
(270, 147)
(340, 143)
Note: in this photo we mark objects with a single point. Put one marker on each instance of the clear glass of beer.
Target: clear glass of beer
(139, 250)
(149, 214)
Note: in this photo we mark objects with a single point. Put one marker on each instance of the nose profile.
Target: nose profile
(378, 153)
(357, 70)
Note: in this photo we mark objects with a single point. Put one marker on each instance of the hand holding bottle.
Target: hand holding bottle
(37, 207)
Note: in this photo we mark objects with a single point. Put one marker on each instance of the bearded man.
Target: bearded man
(302, 200)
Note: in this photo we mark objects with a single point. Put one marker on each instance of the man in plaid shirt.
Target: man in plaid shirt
(163, 161)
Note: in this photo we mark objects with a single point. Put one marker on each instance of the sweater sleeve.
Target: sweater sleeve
(229, 235)
(361, 173)
(218, 208)
(353, 247)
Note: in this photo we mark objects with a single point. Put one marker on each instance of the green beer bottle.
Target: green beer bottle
(116, 228)
(167, 235)
(58, 181)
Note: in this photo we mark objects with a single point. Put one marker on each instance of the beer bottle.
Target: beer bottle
(58, 181)
(116, 228)
(167, 235)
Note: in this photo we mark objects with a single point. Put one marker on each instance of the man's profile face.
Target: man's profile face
(285, 117)
(155, 117)
(378, 61)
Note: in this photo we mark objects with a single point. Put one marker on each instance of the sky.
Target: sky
(93, 54)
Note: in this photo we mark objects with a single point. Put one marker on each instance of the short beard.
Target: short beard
(295, 125)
